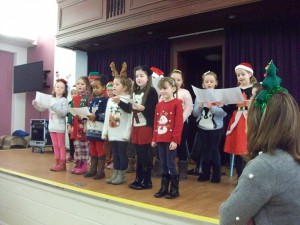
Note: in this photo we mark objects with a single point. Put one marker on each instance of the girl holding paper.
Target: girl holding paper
(236, 140)
(57, 123)
(76, 126)
(210, 124)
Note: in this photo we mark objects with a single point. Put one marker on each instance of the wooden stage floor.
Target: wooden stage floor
(200, 199)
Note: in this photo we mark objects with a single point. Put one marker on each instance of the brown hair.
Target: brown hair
(179, 72)
(137, 89)
(163, 81)
(85, 79)
(65, 94)
(126, 82)
(277, 128)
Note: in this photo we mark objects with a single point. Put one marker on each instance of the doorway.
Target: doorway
(193, 63)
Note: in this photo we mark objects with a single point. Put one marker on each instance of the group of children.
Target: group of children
(135, 113)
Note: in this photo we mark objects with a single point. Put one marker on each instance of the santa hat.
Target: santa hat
(110, 85)
(245, 66)
(93, 75)
(156, 72)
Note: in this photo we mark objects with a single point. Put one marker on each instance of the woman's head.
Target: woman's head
(209, 80)
(178, 77)
(277, 127)
(60, 88)
(83, 85)
(244, 74)
(122, 85)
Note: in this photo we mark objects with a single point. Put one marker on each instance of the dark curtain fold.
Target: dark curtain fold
(258, 44)
(152, 53)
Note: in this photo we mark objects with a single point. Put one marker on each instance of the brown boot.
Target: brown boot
(131, 164)
(100, 168)
(93, 167)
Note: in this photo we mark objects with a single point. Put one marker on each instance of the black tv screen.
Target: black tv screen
(28, 77)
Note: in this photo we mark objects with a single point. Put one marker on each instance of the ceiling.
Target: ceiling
(249, 13)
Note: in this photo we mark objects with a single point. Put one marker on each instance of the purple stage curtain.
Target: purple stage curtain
(258, 43)
(152, 53)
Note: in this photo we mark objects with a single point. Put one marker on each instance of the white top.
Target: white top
(57, 114)
(117, 123)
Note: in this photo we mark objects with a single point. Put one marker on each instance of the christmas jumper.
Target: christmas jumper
(117, 123)
(80, 100)
(57, 114)
(168, 121)
(146, 117)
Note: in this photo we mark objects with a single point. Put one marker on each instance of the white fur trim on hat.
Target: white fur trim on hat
(244, 68)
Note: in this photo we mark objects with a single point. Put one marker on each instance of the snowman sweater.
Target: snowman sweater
(168, 121)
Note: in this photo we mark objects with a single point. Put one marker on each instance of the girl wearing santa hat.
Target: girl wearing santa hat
(236, 140)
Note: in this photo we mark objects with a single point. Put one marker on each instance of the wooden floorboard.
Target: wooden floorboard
(202, 199)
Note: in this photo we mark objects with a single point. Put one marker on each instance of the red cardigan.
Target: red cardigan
(168, 121)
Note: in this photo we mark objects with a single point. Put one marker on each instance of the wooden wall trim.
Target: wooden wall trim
(138, 13)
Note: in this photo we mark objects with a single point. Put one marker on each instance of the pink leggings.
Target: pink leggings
(58, 142)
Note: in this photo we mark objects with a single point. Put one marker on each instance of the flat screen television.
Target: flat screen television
(28, 77)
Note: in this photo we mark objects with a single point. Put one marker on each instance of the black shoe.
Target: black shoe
(215, 180)
(141, 186)
(203, 178)
(193, 172)
(172, 195)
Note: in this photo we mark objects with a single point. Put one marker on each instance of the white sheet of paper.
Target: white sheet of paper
(225, 96)
(82, 112)
(43, 99)
(129, 100)
(155, 84)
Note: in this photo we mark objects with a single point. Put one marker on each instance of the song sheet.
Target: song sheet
(224, 96)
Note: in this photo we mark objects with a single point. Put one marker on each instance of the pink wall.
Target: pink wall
(44, 51)
(6, 71)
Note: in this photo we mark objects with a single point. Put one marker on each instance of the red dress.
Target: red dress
(236, 138)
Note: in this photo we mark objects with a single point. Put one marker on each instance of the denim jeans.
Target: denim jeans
(167, 158)
(119, 149)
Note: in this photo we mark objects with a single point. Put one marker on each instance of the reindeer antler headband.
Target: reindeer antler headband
(114, 71)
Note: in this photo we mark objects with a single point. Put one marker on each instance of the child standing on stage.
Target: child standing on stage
(187, 101)
(76, 126)
(143, 109)
(168, 124)
(96, 118)
(73, 93)
(57, 122)
(236, 140)
(116, 129)
(210, 124)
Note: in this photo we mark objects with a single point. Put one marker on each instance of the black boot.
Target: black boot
(136, 184)
(174, 189)
(205, 175)
(164, 189)
(182, 169)
(146, 182)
